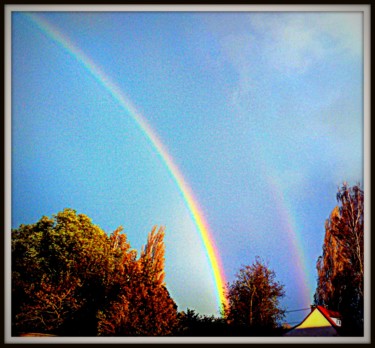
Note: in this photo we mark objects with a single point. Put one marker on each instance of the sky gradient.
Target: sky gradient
(262, 113)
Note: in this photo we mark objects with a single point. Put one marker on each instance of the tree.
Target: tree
(70, 278)
(152, 256)
(341, 266)
(194, 324)
(54, 262)
(143, 305)
(253, 298)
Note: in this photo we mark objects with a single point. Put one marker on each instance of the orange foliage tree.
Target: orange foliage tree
(70, 278)
(253, 298)
(143, 305)
(341, 266)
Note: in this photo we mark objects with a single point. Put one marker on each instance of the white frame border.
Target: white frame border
(366, 9)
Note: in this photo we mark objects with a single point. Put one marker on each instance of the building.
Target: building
(319, 322)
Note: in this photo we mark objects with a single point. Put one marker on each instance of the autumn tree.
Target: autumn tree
(341, 266)
(143, 305)
(70, 278)
(253, 298)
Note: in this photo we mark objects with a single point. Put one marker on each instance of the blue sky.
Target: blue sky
(251, 106)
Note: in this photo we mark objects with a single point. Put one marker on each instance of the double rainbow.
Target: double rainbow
(187, 194)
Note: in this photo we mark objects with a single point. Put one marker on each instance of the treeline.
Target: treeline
(70, 278)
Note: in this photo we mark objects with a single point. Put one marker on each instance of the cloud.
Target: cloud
(264, 47)
(297, 88)
(293, 49)
(345, 31)
(289, 43)
(294, 42)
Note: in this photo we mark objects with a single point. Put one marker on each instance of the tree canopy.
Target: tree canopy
(70, 278)
(253, 298)
(341, 266)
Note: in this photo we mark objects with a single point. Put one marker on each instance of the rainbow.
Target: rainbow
(286, 217)
(187, 194)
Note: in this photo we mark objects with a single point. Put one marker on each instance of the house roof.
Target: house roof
(329, 314)
(317, 331)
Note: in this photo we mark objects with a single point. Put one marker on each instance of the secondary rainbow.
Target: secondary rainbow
(286, 216)
(187, 194)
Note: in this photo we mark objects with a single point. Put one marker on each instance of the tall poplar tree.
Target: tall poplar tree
(341, 266)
